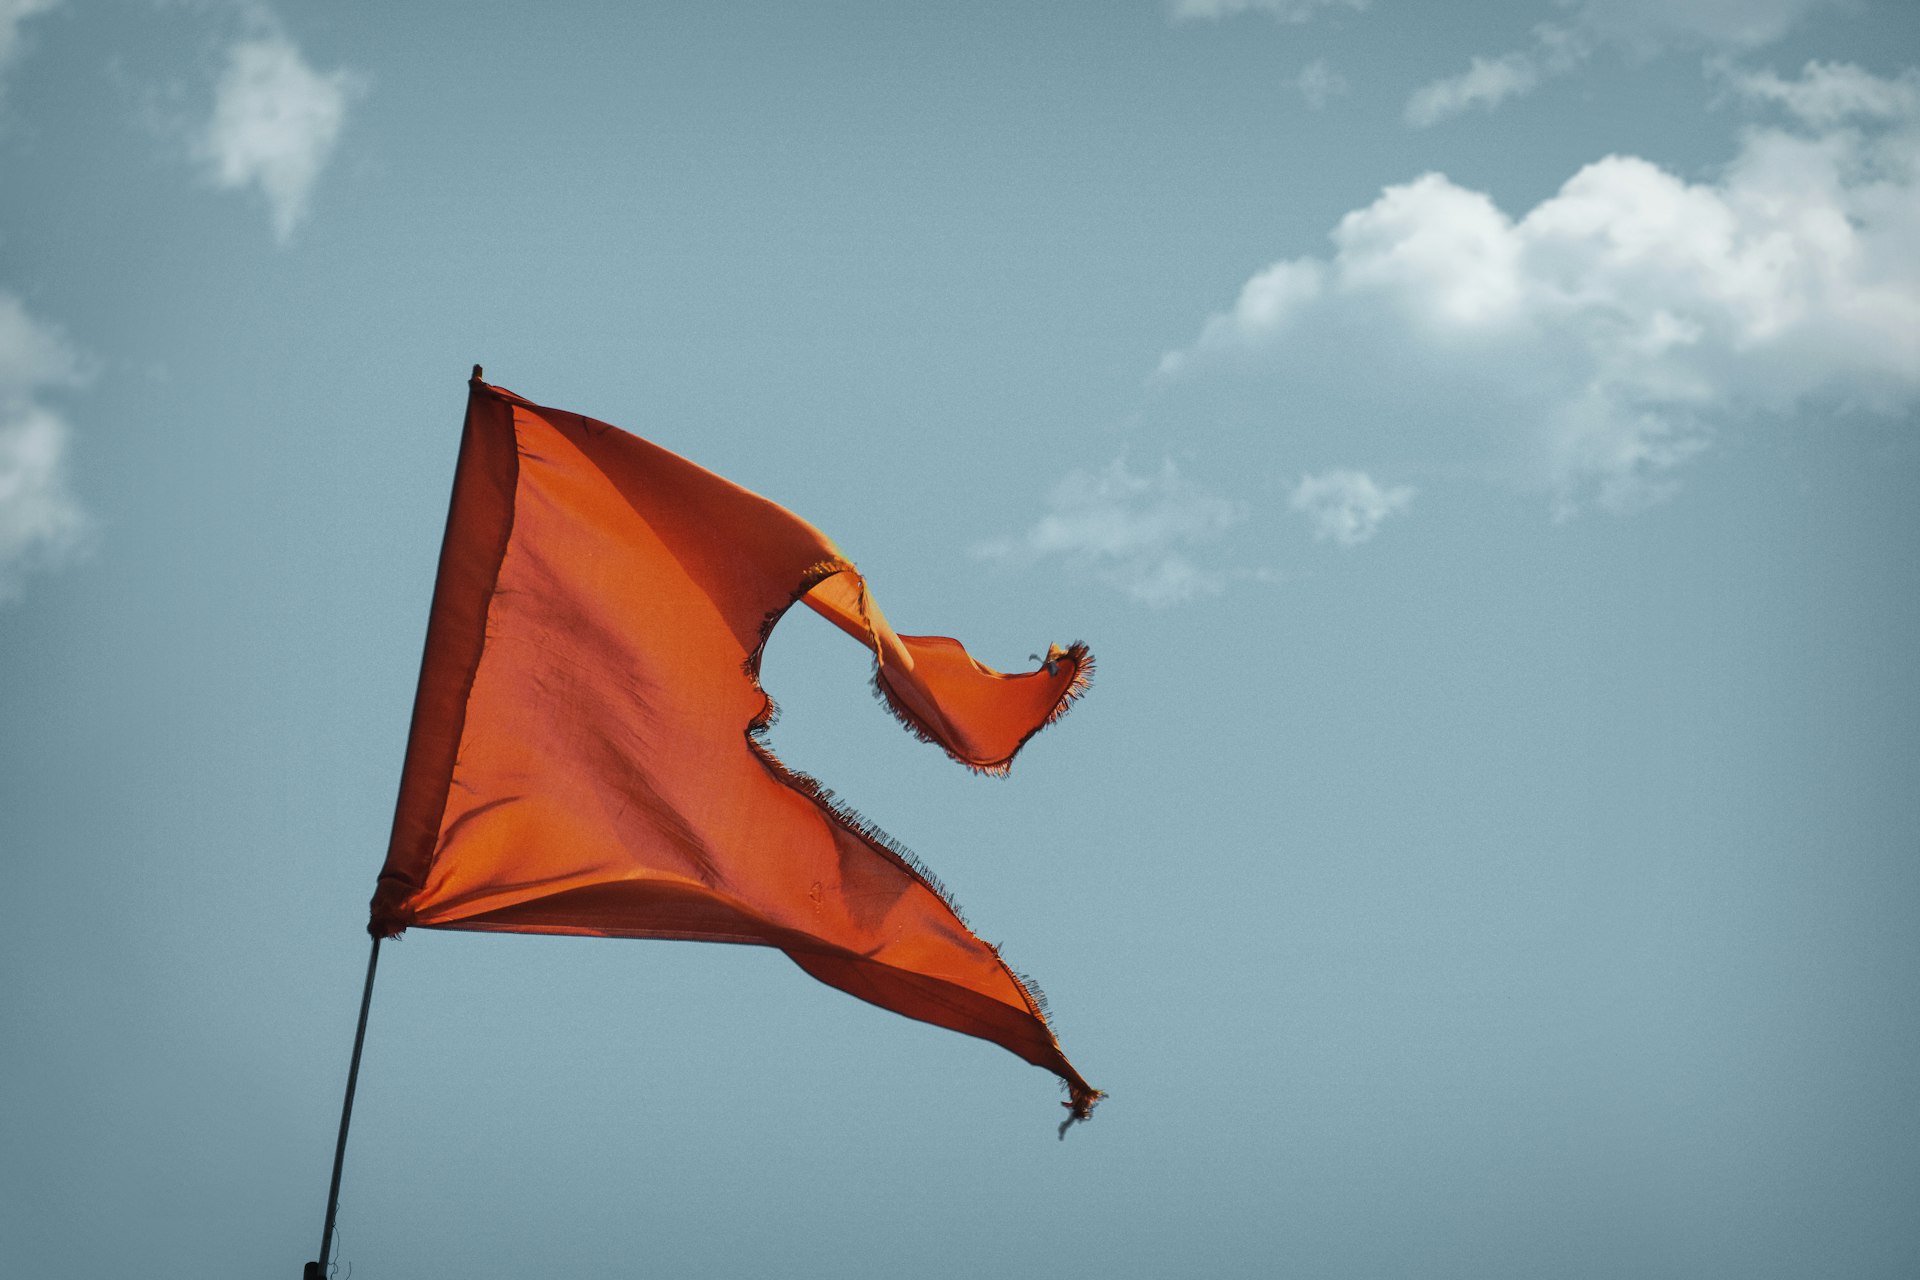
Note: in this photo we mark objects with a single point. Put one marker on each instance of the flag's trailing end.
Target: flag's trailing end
(587, 753)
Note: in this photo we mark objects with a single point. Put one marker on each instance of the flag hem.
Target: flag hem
(1083, 1095)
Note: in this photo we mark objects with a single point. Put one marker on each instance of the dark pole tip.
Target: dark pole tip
(476, 373)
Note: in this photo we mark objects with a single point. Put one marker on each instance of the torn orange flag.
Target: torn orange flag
(586, 754)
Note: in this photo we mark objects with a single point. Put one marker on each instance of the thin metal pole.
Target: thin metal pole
(318, 1270)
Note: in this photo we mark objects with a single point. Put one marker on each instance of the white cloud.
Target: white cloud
(1830, 93)
(1642, 27)
(1487, 82)
(1594, 344)
(1133, 532)
(1267, 304)
(1318, 83)
(41, 526)
(1280, 10)
(275, 123)
(1347, 507)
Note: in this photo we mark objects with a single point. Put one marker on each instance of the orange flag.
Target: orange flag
(586, 752)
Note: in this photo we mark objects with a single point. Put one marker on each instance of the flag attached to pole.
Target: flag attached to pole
(587, 755)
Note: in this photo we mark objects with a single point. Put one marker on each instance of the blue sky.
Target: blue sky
(1478, 443)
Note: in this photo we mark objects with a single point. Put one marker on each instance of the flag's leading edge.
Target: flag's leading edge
(586, 753)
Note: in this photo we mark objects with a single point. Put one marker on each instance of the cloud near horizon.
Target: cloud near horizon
(1592, 345)
(275, 123)
(1136, 533)
(41, 525)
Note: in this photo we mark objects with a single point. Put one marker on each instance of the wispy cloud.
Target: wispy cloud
(1580, 27)
(1723, 26)
(1347, 507)
(1278, 10)
(1600, 338)
(275, 123)
(1137, 533)
(1830, 93)
(1319, 83)
(1488, 82)
(41, 525)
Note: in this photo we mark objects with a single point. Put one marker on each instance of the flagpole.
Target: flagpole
(318, 1270)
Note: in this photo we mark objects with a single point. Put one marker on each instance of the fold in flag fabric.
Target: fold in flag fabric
(587, 755)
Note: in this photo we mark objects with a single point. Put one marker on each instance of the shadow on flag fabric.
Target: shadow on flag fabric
(587, 756)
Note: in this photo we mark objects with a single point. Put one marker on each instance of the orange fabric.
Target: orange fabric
(585, 755)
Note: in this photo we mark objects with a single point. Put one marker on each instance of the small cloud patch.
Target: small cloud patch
(1289, 11)
(41, 525)
(1830, 93)
(1720, 28)
(1347, 507)
(1486, 83)
(275, 123)
(1135, 532)
(1319, 83)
